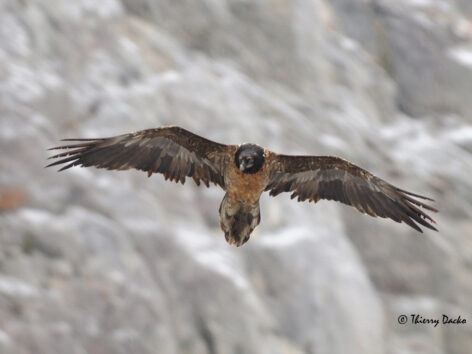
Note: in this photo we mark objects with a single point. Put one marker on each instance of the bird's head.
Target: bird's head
(249, 158)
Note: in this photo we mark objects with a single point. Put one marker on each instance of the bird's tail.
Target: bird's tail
(238, 220)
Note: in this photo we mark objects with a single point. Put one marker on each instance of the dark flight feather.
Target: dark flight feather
(172, 151)
(333, 178)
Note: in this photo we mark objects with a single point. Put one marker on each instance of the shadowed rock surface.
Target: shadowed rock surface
(94, 261)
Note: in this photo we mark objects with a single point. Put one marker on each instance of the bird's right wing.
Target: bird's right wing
(172, 151)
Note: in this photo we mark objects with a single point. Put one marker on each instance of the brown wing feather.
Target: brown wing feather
(327, 177)
(172, 151)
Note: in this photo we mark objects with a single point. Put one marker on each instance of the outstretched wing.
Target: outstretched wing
(172, 151)
(327, 177)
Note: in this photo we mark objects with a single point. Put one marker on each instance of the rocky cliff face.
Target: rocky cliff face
(95, 261)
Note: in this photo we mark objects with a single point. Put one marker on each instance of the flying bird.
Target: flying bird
(244, 172)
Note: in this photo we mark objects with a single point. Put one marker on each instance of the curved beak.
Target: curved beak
(242, 166)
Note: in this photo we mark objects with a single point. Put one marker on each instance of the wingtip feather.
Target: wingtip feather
(414, 194)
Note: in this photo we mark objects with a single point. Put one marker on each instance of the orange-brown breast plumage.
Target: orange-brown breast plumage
(246, 187)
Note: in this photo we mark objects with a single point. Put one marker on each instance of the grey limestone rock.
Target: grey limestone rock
(96, 261)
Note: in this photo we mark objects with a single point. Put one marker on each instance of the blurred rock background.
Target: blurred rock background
(94, 261)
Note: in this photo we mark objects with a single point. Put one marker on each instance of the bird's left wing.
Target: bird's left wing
(172, 151)
(327, 177)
